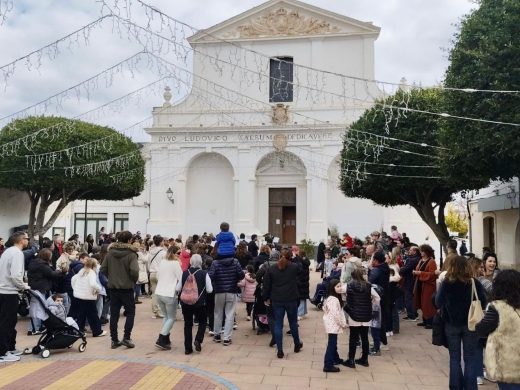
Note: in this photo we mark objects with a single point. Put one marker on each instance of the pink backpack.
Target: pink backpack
(190, 291)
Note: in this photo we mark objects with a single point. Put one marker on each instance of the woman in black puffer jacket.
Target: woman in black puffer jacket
(41, 278)
(303, 284)
(40, 273)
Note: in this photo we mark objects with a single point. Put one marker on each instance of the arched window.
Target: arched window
(489, 233)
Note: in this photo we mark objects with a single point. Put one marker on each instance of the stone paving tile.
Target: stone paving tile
(281, 380)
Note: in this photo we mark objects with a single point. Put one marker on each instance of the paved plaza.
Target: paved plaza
(249, 363)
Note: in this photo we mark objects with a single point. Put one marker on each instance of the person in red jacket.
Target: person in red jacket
(185, 257)
(347, 241)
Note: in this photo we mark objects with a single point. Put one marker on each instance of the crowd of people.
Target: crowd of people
(366, 287)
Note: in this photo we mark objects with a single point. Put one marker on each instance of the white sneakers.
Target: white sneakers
(480, 381)
(389, 334)
(8, 357)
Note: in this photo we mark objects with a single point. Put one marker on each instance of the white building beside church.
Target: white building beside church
(256, 142)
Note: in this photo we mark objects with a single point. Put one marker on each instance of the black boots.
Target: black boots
(349, 363)
(362, 362)
(163, 342)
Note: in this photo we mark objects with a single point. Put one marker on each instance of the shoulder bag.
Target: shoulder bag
(476, 313)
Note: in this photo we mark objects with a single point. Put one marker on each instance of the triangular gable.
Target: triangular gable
(284, 18)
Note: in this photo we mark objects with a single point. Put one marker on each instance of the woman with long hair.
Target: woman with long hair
(168, 275)
(41, 278)
(425, 275)
(334, 321)
(86, 289)
(242, 255)
(501, 325)
(454, 300)
(280, 289)
(490, 262)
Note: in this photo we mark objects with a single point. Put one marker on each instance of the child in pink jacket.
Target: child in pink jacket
(334, 321)
(248, 286)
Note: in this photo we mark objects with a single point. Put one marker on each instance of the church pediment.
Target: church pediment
(284, 18)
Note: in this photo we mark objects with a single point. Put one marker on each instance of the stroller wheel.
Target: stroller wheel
(319, 306)
(45, 353)
(82, 347)
(36, 350)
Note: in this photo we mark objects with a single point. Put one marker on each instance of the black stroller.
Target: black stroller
(57, 334)
(259, 313)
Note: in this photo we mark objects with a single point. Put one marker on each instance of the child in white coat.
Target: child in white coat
(334, 321)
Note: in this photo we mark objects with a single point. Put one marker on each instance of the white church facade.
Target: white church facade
(263, 154)
(257, 141)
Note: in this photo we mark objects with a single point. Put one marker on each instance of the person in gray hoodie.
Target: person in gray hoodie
(12, 269)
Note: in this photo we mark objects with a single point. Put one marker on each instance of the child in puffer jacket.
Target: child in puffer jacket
(334, 321)
(248, 286)
(56, 307)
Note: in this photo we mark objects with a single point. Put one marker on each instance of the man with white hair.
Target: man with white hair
(198, 309)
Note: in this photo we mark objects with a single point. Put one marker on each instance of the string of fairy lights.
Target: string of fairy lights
(163, 36)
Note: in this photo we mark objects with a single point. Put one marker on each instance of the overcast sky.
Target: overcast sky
(415, 36)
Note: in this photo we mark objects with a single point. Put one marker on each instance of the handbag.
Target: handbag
(476, 313)
(439, 331)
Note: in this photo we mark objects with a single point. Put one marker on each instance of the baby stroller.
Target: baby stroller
(259, 313)
(57, 334)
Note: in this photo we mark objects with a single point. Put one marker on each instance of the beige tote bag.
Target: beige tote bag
(476, 313)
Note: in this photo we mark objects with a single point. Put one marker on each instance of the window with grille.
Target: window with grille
(281, 79)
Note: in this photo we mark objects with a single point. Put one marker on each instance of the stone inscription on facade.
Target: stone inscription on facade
(205, 138)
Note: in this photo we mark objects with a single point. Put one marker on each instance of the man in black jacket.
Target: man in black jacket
(380, 275)
(252, 247)
(406, 273)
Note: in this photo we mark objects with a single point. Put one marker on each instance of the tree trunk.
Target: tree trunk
(55, 215)
(40, 203)
(34, 198)
(436, 224)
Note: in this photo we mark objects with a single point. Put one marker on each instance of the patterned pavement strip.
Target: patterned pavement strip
(113, 373)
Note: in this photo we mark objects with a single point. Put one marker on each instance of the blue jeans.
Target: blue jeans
(408, 302)
(302, 308)
(508, 386)
(376, 336)
(466, 380)
(479, 359)
(395, 319)
(279, 309)
(168, 306)
(331, 354)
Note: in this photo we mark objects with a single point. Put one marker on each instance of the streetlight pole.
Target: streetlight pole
(85, 224)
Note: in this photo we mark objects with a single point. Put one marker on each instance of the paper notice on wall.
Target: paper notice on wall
(278, 222)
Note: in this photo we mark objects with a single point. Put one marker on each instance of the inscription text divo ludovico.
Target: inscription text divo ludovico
(193, 138)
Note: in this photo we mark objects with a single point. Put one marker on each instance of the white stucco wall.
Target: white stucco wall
(507, 234)
(14, 211)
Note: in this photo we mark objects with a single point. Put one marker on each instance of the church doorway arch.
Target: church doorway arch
(282, 196)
